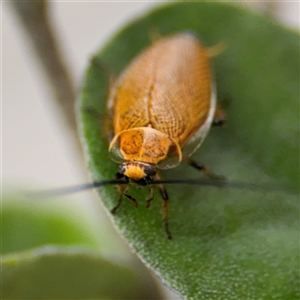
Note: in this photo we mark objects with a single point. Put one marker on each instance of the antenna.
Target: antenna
(202, 182)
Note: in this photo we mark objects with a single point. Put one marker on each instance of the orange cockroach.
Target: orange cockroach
(162, 107)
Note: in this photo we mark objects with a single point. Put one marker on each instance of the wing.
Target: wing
(168, 87)
(131, 94)
(181, 97)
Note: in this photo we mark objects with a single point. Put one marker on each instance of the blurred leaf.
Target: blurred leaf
(70, 273)
(227, 244)
(25, 225)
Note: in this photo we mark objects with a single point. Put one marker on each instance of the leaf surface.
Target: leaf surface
(228, 244)
(70, 273)
(28, 224)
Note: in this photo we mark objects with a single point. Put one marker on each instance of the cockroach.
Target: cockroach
(162, 107)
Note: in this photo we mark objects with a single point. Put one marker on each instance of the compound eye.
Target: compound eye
(119, 175)
(121, 169)
(141, 182)
(149, 170)
(148, 179)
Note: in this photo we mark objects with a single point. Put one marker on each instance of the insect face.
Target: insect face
(137, 171)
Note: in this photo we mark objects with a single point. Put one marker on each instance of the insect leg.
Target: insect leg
(135, 203)
(154, 34)
(217, 49)
(123, 193)
(120, 191)
(165, 207)
(204, 169)
(148, 201)
(219, 117)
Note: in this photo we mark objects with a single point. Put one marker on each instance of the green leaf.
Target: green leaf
(26, 225)
(70, 273)
(228, 244)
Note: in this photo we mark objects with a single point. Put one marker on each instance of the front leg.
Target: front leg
(120, 192)
(165, 207)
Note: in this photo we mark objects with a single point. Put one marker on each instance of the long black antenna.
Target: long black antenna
(232, 184)
(203, 182)
(78, 188)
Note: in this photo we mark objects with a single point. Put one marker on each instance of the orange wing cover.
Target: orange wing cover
(167, 87)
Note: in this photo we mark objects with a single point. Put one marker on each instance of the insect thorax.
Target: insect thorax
(147, 145)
